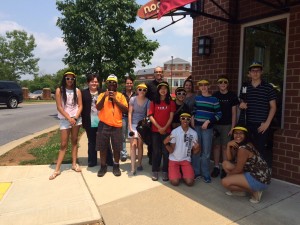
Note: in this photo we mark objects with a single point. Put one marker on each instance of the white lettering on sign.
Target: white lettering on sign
(151, 8)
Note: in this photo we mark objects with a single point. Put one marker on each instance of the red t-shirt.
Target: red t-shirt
(161, 114)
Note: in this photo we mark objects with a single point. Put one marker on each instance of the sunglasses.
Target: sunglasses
(224, 81)
(112, 82)
(70, 78)
(140, 89)
(185, 118)
(181, 93)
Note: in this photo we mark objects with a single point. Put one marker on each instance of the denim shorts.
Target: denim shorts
(254, 184)
(65, 124)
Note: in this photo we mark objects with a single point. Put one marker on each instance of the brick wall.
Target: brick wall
(224, 59)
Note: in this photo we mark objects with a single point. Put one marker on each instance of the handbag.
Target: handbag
(144, 129)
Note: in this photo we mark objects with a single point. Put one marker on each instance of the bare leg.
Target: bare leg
(64, 136)
(175, 182)
(133, 146)
(140, 151)
(236, 182)
(74, 141)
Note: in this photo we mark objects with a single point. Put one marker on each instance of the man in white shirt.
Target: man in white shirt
(181, 144)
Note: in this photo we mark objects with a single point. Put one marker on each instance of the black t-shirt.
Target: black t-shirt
(227, 101)
(152, 89)
(183, 109)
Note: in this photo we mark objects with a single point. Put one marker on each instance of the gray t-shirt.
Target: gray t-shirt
(138, 111)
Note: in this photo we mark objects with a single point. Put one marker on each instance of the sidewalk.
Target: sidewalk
(74, 198)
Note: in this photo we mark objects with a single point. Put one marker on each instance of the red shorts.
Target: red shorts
(186, 168)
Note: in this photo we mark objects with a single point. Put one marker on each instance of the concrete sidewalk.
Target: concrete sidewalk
(84, 198)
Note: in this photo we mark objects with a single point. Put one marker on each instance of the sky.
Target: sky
(38, 17)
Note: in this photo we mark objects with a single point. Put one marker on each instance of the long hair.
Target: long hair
(168, 95)
(191, 81)
(63, 90)
(247, 136)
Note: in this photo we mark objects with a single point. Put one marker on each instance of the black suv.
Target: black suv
(10, 94)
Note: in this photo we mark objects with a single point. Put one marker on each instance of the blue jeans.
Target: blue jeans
(201, 161)
(125, 132)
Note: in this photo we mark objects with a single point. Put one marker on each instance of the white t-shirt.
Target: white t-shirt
(184, 141)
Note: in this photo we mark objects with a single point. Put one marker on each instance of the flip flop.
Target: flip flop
(54, 175)
(76, 168)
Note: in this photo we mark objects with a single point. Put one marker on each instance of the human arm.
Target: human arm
(196, 147)
(79, 102)
(231, 150)
(233, 118)
(265, 125)
(163, 129)
(130, 110)
(120, 102)
(242, 156)
(169, 146)
(101, 99)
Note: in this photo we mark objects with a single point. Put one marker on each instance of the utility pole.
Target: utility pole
(171, 75)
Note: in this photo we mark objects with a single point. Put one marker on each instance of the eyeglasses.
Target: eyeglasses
(203, 85)
(238, 133)
(140, 89)
(185, 118)
(129, 83)
(112, 82)
(223, 81)
(70, 78)
(181, 93)
(158, 72)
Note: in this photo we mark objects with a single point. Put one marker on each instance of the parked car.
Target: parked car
(10, 94)
(38, 95)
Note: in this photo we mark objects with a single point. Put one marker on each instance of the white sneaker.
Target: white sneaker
(236, 193)
(255, 200)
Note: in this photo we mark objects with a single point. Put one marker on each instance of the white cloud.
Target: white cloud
(50, 51)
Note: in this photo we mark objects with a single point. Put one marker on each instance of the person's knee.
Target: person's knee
(189, 182)
(174, 182)
(225, 182)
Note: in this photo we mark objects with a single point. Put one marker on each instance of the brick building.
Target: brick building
(175, 72)
(229, 34)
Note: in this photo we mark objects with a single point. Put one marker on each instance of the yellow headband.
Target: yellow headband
(185, 115)
(240, 128)
(203, 82)
(69, 73)
(223, 79)
(142, 85)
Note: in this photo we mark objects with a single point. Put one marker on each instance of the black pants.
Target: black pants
(159, 151)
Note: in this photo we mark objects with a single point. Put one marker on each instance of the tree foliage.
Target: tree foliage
(16, 55)
(100, 39)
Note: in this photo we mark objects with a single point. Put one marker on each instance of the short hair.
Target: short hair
(129, 78)
(91, 76)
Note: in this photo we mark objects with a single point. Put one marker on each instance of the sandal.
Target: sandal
(76, 168)
(256, 197)
(54, 175)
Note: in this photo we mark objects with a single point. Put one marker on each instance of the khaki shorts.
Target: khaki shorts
(223, 138)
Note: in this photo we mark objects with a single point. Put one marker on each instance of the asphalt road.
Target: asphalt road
(26, 120)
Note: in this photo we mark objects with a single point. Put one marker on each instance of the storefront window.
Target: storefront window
(266, 43)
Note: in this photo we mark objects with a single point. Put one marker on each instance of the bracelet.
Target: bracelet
(74, 118)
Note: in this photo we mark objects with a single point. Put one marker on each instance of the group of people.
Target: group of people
(184, 130)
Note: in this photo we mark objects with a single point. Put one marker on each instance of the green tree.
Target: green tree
(100, 39)
(16, 55)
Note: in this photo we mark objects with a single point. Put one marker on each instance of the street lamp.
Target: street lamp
(171, 74)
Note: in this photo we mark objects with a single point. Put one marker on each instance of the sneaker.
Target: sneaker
(165, 176)
(236, 193)
(207, 180)
(223, 174)
(123, 159)
(116, 170)
(139, 168)
(254, 199)
(215, 172)
(154, 176)
(102, 171)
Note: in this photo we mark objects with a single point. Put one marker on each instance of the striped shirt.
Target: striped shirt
(258, 101)
(206, 108)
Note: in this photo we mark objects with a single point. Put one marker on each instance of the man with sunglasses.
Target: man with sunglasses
(181, 107)
(111, 105)
(224, 127)
(181, 144)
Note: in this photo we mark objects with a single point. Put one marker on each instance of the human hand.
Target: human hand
(205, 125)
(167, 139)
(263, 127)
(232, 144)
(196, 148)
(243, 105)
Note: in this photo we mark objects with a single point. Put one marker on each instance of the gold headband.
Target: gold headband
(240, 128)
(185, 115)
(223, 79)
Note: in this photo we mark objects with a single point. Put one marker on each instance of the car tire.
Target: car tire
(38, 98)
(12, 103)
